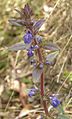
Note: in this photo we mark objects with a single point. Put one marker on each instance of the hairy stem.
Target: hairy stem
(42, 82)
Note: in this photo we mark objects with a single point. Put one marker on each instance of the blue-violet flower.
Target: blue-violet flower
(30, 53)
(32, 92)
(28, 37)
(54, 101)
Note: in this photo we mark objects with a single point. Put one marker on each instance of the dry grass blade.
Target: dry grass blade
(9, 101)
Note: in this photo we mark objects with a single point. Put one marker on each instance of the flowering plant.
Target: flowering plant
(35, 48)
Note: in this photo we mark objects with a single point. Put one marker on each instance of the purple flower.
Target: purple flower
(32, 92)
(27, 37)
(31, 47)
(30, 53)
(54, 101)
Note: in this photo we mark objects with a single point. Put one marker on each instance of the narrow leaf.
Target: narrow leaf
(60, 109)
(50, 57)
(28, 10)
(36, 74)
(63, 116)
(52, 47)
(38, 24)
(18, 11)
(15, 22)
(19, 46)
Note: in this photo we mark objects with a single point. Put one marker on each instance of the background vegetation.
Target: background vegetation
(13, 65)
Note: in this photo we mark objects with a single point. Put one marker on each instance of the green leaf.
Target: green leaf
(68, 74)
(26, 80)
(3, 64)
(61, 113)
(60, 109)
(63, 116)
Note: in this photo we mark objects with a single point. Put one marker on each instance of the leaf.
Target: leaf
(18, 11)
(51, 57)
(68, 74)
(36, 74)
(52, 47)
(27, 10)
(38, 24)
(60, 109)
(15, 22)
(61, 113)
(63, 116)
(19, 46)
